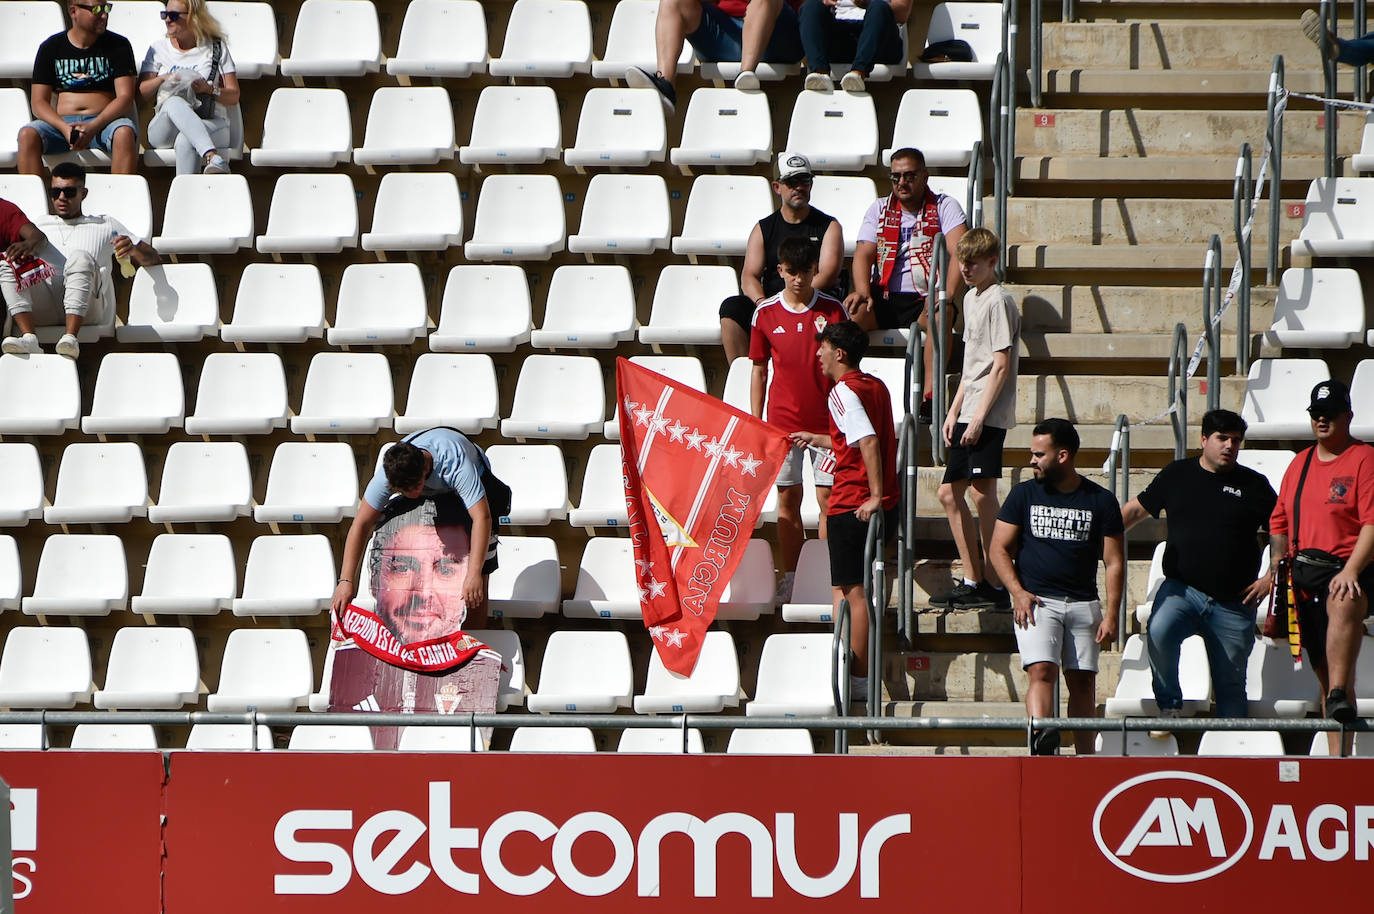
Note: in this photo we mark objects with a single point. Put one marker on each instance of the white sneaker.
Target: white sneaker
(818, 82)
(853, 81)
(20, 345)
(215, 165)
(747, 81)
(68, 346)
(1170, 714)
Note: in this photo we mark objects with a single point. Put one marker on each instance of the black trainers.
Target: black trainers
(640, 78)
(997, 597)
(923, 411)
(946, 599)
(1045, 741)
(976, 597)
(1340, 708)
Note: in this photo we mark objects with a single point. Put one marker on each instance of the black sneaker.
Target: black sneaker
(1045, 741)
(640, 78)
(923, 411)
(998, 597)
(1339, 708)
(946, 599)
(976, 597)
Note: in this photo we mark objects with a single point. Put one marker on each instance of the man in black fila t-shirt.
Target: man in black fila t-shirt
(1215, 511)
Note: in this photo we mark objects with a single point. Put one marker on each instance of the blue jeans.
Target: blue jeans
(1228, 631)
(875, 39)
(54, 142)
(1356, 51)
(718, 37)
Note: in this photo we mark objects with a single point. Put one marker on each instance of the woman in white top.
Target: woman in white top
(191, 75)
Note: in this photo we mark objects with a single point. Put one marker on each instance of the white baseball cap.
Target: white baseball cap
(792, 164)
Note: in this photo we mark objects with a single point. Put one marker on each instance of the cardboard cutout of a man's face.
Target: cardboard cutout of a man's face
(419, 581)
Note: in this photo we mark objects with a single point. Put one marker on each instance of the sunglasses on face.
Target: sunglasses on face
(97, 9)
(171, 15)
(69, 192)
(799, 182)
(904, 177)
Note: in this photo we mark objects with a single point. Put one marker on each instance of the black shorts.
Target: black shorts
(981, 461)
(897, 310)
(740, 309)
(846, 536)
(1312, 618)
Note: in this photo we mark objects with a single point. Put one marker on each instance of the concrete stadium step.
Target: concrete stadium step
(1139, 222)
(937, 576)
(1183, 43)
(1125, 262)
(969, 710)
(1015, 470)
(1099, 399)
(975, 677)
(1092, 310)
(1220, 85)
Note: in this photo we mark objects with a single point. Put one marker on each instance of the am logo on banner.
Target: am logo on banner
(696, 475)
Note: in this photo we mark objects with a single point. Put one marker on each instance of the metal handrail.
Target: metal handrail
(937, 324)
(973, 199)
(997, 130)
(1330, 17)
(1037, 51)
(1362, 71)
(875, 601)
(1273, 133)
(1178, 389)
(906, 531)
(1242, 205)
(1211, 328)
(1069, 11)
(1009, 42)
(1120, 457)
(839, 671)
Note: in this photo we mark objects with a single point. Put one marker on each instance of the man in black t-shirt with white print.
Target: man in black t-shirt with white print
(1050, 534)
(1215, 510)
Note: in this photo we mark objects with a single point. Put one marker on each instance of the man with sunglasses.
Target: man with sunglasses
(62, 283)
(82, 94)
(894, 252)
(759, 279)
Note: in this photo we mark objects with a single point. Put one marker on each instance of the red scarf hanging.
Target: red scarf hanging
(30, 270)
(922, 244)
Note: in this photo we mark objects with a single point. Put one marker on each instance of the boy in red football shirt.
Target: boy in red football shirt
(784, 333)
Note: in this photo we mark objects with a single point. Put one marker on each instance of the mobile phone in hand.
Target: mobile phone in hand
(72, 137)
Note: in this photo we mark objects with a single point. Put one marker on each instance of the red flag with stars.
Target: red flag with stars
(696, 475)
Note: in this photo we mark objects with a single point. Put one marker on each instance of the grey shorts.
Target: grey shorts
(791, 474)
(1064, 633)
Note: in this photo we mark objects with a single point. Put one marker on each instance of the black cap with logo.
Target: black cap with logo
(1329, 400)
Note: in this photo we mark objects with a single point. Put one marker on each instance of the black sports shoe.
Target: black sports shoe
(948, 598)
(640, 78)
(923, 411)
(976, 597)
(998, 597)
(1045, 741)
(1340, 708)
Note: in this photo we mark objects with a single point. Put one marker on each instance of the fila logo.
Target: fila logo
(1231, 490)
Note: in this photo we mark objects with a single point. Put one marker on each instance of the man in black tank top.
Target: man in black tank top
(759, 279)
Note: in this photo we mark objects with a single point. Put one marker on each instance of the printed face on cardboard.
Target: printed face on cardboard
(419, 581)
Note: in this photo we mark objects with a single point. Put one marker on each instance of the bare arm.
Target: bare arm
(758, 387)
(1133, 513)
(1114, 557)
(40, 100)
(142, 254)
(475, 586)
(1278, 548)
(31, 240)
(122, 105)
(861, 272)
(832, 257)
(1001, 554)
(873, 469)
(149, 83)
(749, 281)
(229, 93)
(901, 9)
(997, 378)
(954, 279)
(364, 522)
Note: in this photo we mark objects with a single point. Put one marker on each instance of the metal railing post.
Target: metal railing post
(937, 323)
(973, 199)
(1120, 459)
(1178, 389)
(1211, 304)
(1009, 97)
(1274, 134)
(1242, 208)
(1037, 51)
(906, 531)
(839, 672)
(875, 599)
(1068, 15)
(1329, 16)
(1361, 72)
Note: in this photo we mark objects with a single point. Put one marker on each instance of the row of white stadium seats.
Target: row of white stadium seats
(270, 670)
(522, 125)
(448, 38)
(346, 393)
(1277, 394)
(519, 217)
(1219, 743)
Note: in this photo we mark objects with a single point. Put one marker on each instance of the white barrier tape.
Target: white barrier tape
(1333, 102)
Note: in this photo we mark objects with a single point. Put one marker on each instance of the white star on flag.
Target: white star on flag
(748, 465)
(714, 447)
(657, 424)
(656, 588)
(676, 431)
(656, 631)
(694, 440)
(630, 405)
(643, 414)
(731, 457)
(674, 638)
(645, 567)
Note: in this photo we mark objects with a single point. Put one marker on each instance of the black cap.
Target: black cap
(1329, 399)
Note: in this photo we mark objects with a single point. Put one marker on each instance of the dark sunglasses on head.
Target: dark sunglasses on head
(171, 15)
(899, 177)
(68, 192)
(96, 9)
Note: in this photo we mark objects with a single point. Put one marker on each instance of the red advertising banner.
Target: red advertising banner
(85, 831)
(401, 832)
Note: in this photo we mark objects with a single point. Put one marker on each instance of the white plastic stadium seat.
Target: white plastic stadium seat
(305, 128)
(80, 574)
(277, 303)
(942, 123)
(1240, 742)
(552, 739)
(346, 393)
(441, 38)
(151, 668)
(334, 38)
(837, 131)
(1109, 742)
(122, 197)
(1363, 161)
(603, 491)
(1321, 308)
(206, 214)
(1277, 392)
(812, 596)
(24, 24)
(21, 498)
(892, 373)
(441, 739)
(264, 668)
(546, 38)
(1338, 219)
(527, 583)
(310, 483)
(606, 584)
(630, 42)
(979, 24)
(759, 741)
(506, 643)
(41, 395)
(416, 211)
(1361, 387)
(171, 303)
(1271, 463)
(721, 212)
(794, 677)
(254, 27)
(1135, 691)
(623, 214)
(1145, 608)
(456, 390)
(684, 370)
(538, 481)
(408, 125)
(686, 305)
(882, 72)
(287, 575)
(26, 192)
(228, 738)
(240, 393)
(191, 574)
(712, 686)
(514, 125)
(847, 199)
(99, 483)
(468, 322)
(659, 742)
(311, 214)
(330, 738)
(557, 396)
(587, 671)
(45, 667)
(1274, 688)
(725, 71)
(749, 592)
(138, 21)
(724, 127)
(203, 482)
(589, 307)
(519, 217)
(619, 127)
(136, 393)
(120, 737)
(14, 113)
(380, 304)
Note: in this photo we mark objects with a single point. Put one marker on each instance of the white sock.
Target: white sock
(970, 582)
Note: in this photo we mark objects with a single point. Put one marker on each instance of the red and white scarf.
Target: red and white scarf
(370, 633)
(921, 246)
(30, 270)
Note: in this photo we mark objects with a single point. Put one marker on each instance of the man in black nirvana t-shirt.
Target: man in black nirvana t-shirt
(83, 94)
(1215, 509)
